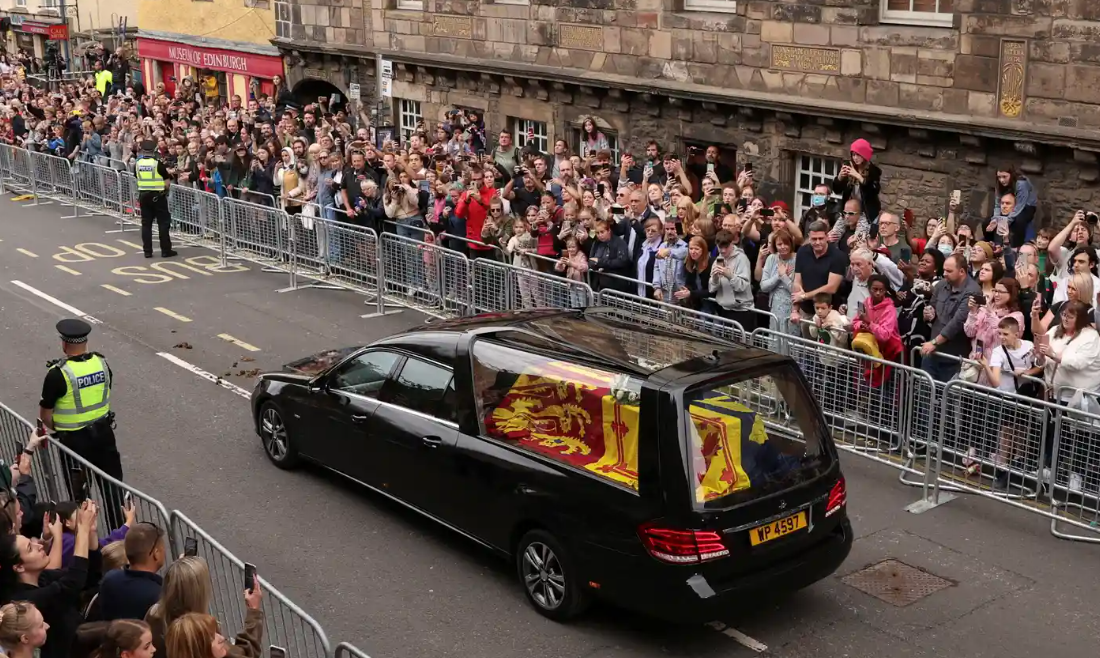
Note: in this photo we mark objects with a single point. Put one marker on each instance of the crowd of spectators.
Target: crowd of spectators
(66, 592)
(985, 299)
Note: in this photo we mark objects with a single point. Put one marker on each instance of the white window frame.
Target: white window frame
(512, 2)
(411, 5)
(542, 134)
(926, 18)
(819, 169)
(720, 6)
(612, 141)
(20, 3)
(408, 115)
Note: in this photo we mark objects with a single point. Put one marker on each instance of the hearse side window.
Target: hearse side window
(586, 418)
(750, 438)
(365, 374)
(423, 387)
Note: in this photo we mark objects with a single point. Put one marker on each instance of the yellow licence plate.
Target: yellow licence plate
(777, 529)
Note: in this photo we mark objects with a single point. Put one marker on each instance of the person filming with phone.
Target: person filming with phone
(860, 179)
(27, 574)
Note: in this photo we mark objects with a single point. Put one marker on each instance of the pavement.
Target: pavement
(396, 585)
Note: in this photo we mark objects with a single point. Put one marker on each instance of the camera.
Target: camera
(1091, 218)
(979, 300)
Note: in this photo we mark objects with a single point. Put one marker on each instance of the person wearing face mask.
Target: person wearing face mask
(820, 208)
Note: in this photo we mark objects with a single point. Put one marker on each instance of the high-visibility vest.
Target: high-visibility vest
(87, 393)
(148, 175)
(103, 79)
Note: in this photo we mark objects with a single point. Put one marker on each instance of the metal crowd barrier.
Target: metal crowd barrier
(98, 189)
(285, 624)
(347, 650)
(959, 437)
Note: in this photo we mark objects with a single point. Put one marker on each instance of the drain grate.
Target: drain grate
(896, 583)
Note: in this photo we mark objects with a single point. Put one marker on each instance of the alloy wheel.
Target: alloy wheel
(543, 575)
(273, 434)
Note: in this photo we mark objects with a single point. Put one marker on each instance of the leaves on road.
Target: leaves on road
(182, 346)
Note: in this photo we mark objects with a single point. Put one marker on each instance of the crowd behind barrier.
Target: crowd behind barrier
(892, 413)
(285, 624)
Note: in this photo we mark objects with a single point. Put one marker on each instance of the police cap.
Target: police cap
(148, 145)
(74, 331)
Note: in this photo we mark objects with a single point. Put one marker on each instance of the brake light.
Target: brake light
(838, 498)
(677, 546)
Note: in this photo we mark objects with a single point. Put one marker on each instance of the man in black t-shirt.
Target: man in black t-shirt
(818, 267)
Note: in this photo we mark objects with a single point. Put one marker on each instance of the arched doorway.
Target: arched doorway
(307, 91)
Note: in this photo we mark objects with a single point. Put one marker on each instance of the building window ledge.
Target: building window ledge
(712, 6)
(917, 18)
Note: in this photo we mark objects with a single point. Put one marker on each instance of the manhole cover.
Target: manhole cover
(896, 583)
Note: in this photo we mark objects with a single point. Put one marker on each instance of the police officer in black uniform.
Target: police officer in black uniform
(152, 183)
(76, 407)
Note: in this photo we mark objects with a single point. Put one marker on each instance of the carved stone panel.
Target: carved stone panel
(461, 27)
(1013, 77)
(580, 37)
(810, 60)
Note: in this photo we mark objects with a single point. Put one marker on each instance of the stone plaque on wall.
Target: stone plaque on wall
(809, 60)
(454, 26)
(1010, 98)
(581, 37)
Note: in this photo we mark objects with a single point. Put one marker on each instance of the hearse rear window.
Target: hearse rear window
(577, 415)
(751, 438)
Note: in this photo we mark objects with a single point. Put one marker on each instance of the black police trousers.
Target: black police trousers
(96, 444)
(154, 206)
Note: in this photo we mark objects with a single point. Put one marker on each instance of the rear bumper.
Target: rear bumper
(681, 602)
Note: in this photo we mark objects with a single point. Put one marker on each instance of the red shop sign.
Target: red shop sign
(260, 66)
(58, 33)
(34, 27)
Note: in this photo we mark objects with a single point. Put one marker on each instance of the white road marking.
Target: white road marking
(239, 343)
(229, 386)
(114, 289)
(741, 638)
(26, 252)
(172, 314)
(57, 302)
(67, 269)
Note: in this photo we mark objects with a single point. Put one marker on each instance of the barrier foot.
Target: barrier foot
(925, 504)
(376, 314)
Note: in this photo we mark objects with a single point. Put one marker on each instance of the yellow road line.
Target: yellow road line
(67, 269)
(239, 343)
(114, 289)
(27, 253)
(172, 314)
(131, 244)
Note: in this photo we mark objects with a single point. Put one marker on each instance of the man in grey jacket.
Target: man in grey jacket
(947, 313)
(731, 281)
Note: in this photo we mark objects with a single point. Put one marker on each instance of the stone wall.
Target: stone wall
(920, 169)
(1033, 62)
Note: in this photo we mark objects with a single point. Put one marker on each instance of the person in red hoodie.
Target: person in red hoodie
(879, 318)
(473, 206)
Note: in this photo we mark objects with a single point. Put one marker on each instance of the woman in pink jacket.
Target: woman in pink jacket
(981, 323)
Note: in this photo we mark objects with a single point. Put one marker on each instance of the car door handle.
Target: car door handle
(359, 419)
(432, 441)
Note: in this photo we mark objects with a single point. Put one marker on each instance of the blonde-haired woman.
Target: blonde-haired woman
(194, 634)
(22, 630)
(186, 588)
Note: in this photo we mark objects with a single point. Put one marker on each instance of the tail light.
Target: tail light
(838, 498)
(678, 546)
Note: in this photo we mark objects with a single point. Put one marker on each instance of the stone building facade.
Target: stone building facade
(945, 97)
